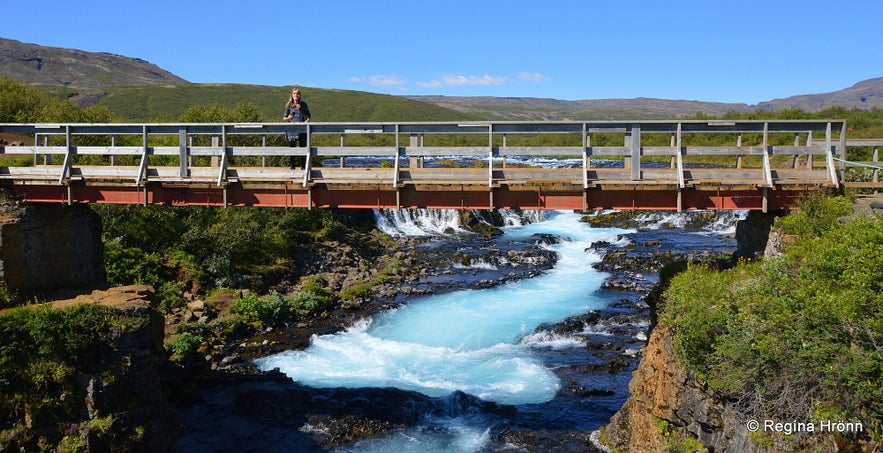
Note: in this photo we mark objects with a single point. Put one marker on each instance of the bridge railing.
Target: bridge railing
(861, 166)
(582, 155)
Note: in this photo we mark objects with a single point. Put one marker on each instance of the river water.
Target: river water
(497, 344)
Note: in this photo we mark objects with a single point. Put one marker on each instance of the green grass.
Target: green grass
(168, 102)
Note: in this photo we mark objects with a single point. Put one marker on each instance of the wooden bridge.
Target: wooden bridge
(668, 165)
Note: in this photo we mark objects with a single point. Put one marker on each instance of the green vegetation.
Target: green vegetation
(166, 102)
(678, 439)
(197, 249)
(43, 355)
(20, 103)
(273, 308)
(795, 337)
(363, 289)
(248, 313)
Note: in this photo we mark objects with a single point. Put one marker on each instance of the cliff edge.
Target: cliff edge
(670, 408)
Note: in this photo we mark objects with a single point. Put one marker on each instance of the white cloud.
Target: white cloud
(430, 84)
(451, 80)
(380, 80)
(533, 77)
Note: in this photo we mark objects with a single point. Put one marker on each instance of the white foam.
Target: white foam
(553, 340)
(451, 435)
(466, 340)
(418, 222)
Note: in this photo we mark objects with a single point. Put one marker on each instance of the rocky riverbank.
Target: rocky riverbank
(235, 402)
(673, 409)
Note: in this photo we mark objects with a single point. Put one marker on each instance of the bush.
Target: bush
(816, 215)
(356, 291)
(314, 297)
(192, 338)
(204, 248)
(185, 345)
(795, 335)
(41, 349)
(131, 265)
(264, 311)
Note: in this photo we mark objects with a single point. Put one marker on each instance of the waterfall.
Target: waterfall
(439, 222)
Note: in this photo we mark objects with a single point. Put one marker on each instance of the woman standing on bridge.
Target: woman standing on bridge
(297, 111)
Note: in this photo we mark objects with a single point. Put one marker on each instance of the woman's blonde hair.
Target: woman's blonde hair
(291, 102)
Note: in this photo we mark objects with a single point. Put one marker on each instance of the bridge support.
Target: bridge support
(44, 248)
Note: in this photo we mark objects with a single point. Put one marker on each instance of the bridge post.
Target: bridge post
(46, 247)
(182, 153)
(222, 171)
(47, 158)
(842, 153)
(809, 156)
(829, 146)
(192, 157)
(114, 159)
(490, 161)
(264, 159)
(342, 144)
(398, 159)
(308, 160)
(739, 145)
(679, 160)
(876, 158)
(214, 145)
(504, 145)
(636, 151)
(586, 143)
(767, 166)
(142, 168)
(671, 162)
(766, 200)
(413, 162)
(68, 157)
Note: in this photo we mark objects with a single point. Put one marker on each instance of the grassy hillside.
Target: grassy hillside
(168, 102)
(533, 109)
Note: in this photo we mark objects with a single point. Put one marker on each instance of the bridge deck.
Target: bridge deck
(534, 165)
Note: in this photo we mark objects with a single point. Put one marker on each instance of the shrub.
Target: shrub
(264, 311)
(817, 215)
(356, 291)
(41, 349)
(191, 338)
(185, 345)
(793, 335)
(314, 296)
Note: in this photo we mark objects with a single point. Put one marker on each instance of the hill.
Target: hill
(864, 95)
(35, 64)
(531, 109)
(170, 101)
(867, 94)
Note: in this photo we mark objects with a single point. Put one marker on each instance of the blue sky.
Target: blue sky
(722, 51)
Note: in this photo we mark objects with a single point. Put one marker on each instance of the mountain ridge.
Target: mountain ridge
(35, 64)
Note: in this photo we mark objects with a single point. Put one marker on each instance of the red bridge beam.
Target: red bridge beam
(384, 197)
